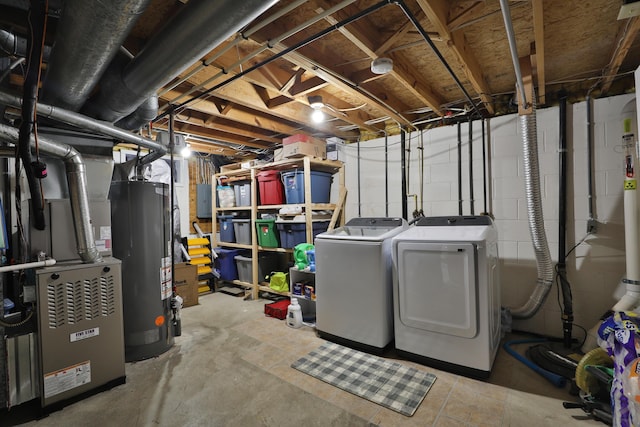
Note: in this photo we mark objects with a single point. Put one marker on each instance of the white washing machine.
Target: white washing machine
(354, 304)
(447, 293)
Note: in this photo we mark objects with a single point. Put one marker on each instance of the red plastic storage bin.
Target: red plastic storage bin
(270, 188)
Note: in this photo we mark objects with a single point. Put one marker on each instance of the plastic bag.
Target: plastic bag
(279, 282)
(618, 335)
(226, 196)
(300, 255)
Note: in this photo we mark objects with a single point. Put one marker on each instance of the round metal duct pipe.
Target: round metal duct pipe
(88, 37)
(198, 28)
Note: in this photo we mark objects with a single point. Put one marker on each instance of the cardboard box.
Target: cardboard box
(299, 137)
(312, 148)
(186, 276)
(278, 155)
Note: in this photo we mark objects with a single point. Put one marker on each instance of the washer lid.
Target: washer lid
(376, 229)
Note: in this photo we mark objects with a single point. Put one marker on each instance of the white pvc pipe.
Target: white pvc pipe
(37, 264)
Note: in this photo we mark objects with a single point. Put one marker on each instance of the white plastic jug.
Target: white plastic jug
(294, 314)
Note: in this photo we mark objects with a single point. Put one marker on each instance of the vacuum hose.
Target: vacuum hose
(556, 380)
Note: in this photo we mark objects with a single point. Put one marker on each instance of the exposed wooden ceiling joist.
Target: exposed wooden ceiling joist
(538, 30)
(625, 39)
(236, 114)
(381, 101)
(360, 34)
(437, 12)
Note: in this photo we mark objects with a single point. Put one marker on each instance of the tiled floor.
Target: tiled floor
(231, 367)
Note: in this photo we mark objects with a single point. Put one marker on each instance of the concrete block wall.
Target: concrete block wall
(595, 267)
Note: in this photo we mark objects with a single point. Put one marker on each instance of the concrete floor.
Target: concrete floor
(231, 367)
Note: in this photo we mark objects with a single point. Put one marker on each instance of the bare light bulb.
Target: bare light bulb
(186, 151)
(317, 116)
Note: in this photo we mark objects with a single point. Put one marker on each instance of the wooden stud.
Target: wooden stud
(527, 79)
(624, 41)
(538, 31)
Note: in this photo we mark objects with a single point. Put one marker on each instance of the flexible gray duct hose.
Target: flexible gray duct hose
(536, 220)
(78, 194)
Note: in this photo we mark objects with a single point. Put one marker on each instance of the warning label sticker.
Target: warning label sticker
(630, 184)
(67, 379)
(165, 278)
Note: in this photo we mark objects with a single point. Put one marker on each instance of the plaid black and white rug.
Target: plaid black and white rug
(386, 383)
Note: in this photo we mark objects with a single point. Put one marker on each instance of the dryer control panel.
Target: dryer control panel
(453, 221)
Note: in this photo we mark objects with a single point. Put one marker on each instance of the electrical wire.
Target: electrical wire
(577, 244)
(20, 323)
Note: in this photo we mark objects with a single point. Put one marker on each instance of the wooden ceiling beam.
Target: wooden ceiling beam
(301, 89)
(382, 49)
(194, 129)
(236, 114)
(309, 85)
(209, 146)
(364, 76)
(243, 92)
(204, 120)
(363, 39)
(212, 148)
(295, 78)
(538, 32)
(269, 101)
(437, 12)
(466, 14)
(331, 78)
(625, 38)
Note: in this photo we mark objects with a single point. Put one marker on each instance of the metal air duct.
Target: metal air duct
(536, 221)
(88, 37)
(191, 34)
(529, 133)
(17, 46)
(92, 125)
(77, 181)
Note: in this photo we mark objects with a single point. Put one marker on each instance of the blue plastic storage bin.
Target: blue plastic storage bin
(294, 233)
(294, 186)
(226, 229)
(227, 264)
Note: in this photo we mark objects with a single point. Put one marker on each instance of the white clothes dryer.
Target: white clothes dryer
(447, 293)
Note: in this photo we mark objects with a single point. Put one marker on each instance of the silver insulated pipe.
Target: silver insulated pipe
(91, 125)
(77, 182)
(536, 220)
(198, 28)
(89, 35)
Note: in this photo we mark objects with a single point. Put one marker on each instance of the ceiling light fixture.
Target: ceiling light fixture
(315, 102)
(186, 151)
(381, 65)
(317, 116)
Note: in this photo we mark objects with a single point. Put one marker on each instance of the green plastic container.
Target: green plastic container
(267, 235)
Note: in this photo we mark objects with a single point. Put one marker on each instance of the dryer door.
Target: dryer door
(437, 288)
